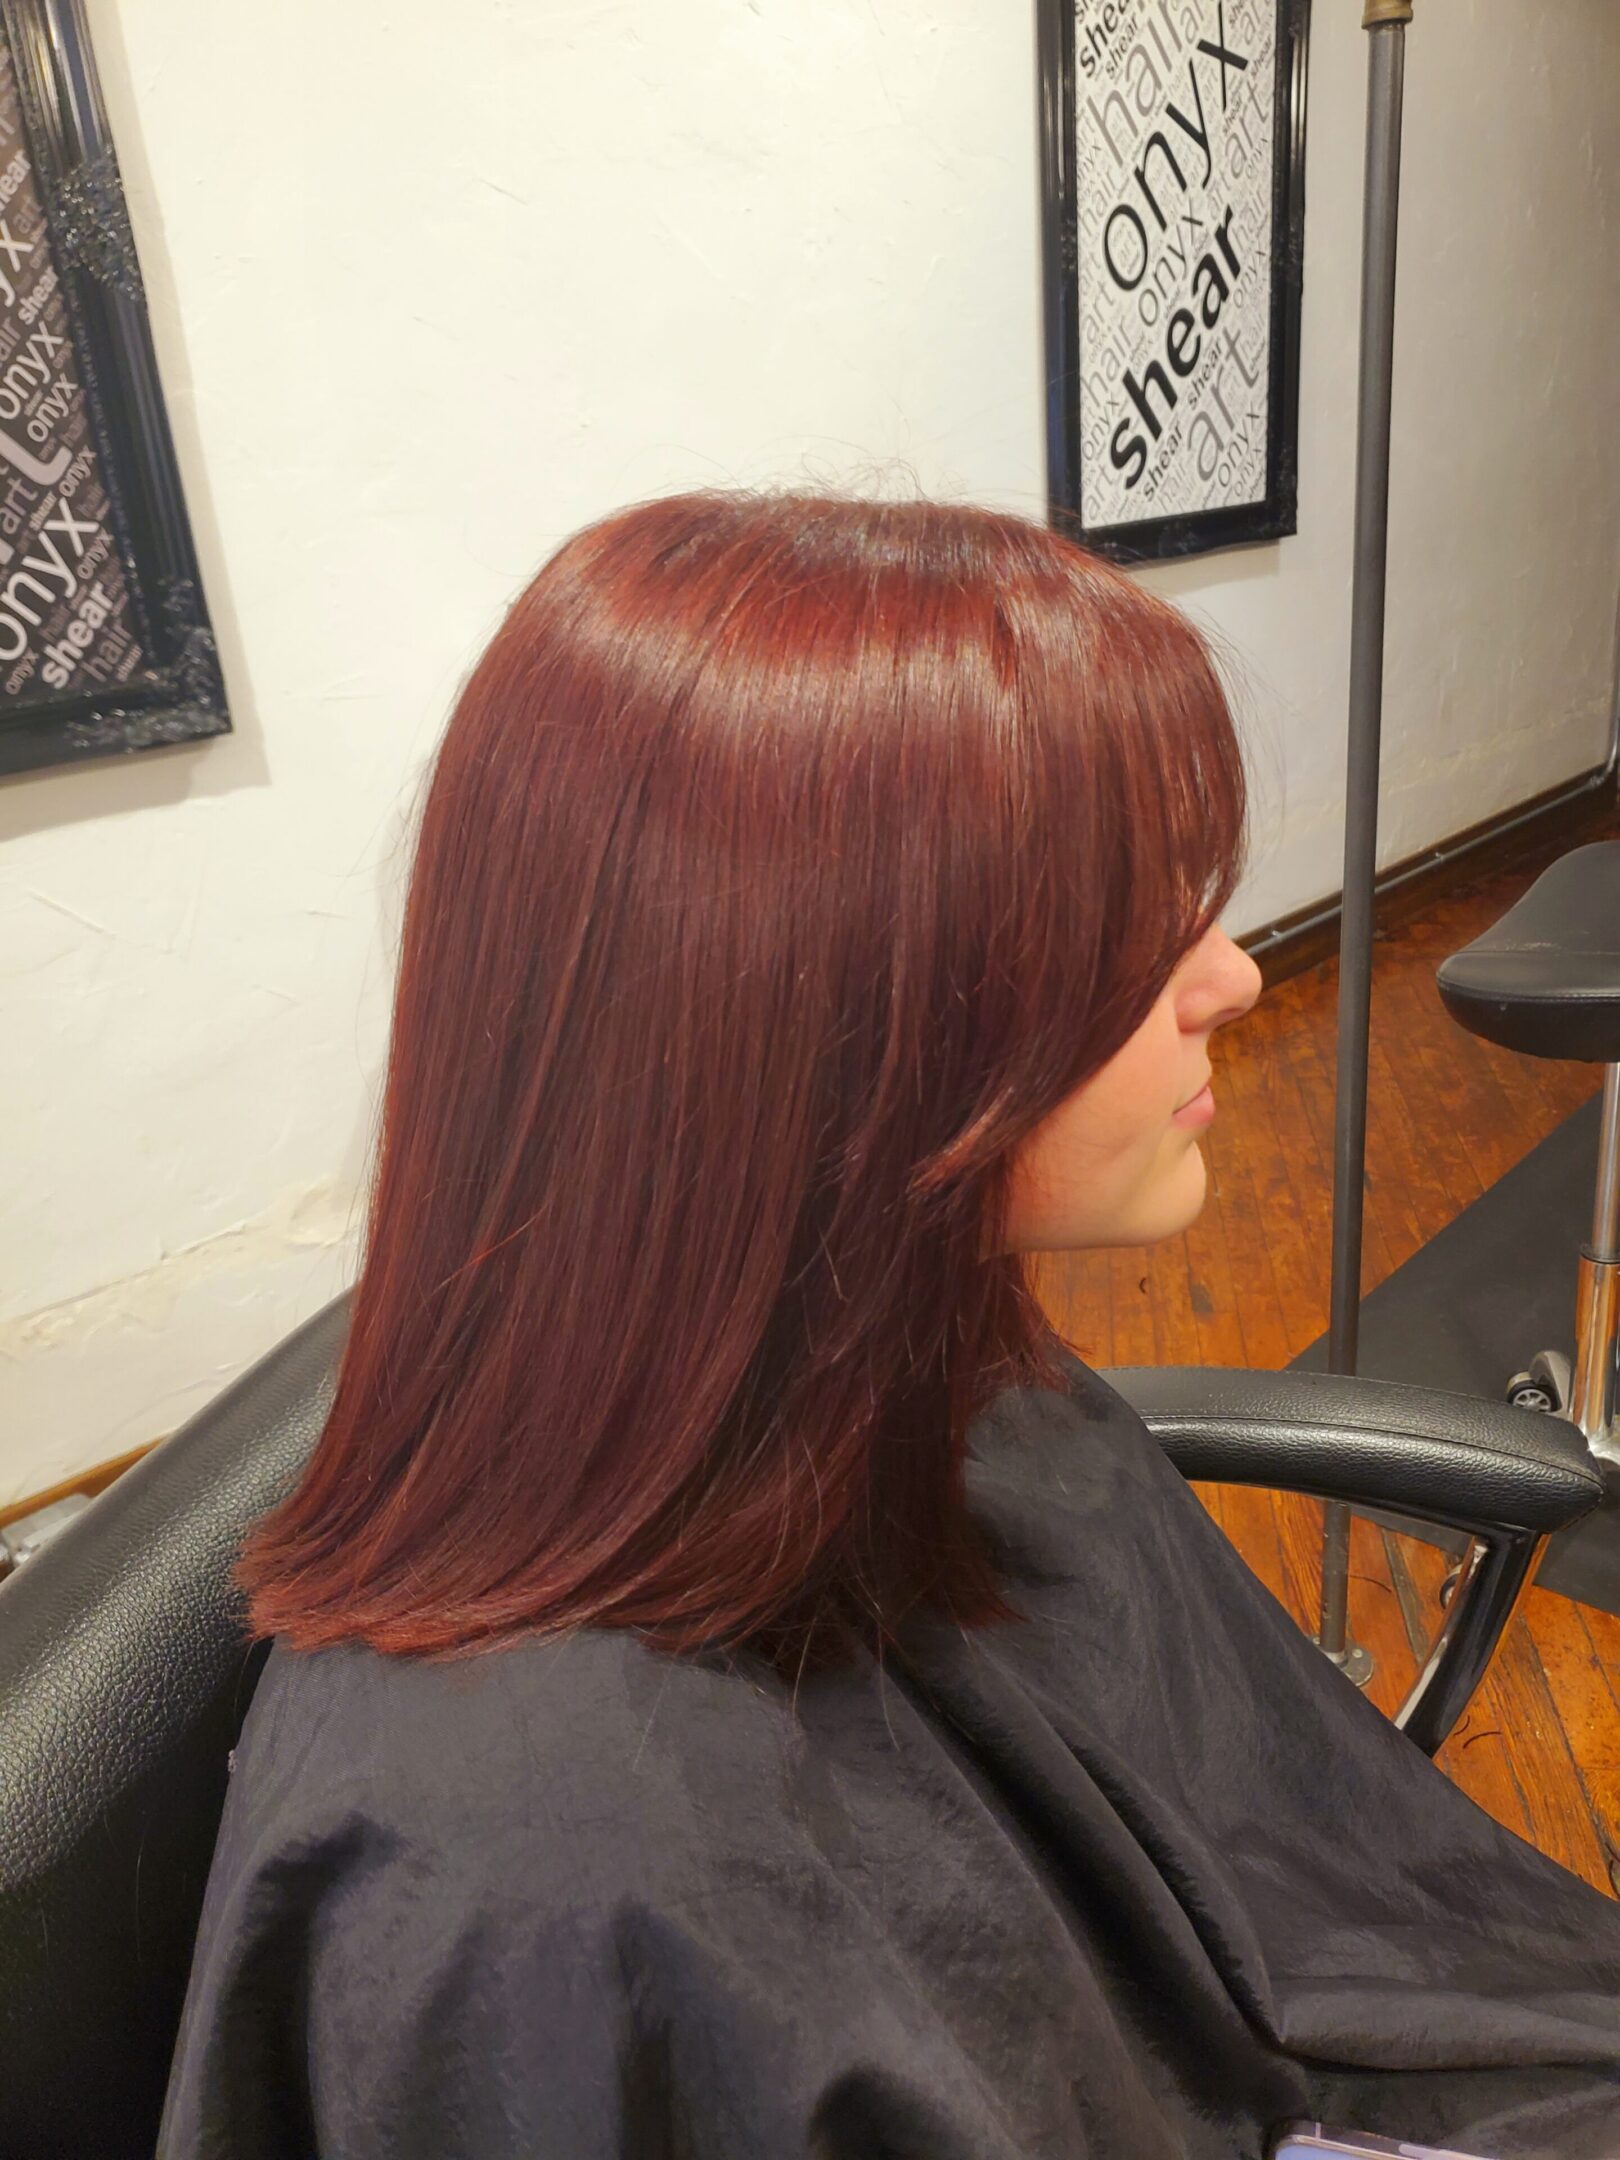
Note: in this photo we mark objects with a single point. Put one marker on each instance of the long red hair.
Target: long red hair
(786, 860)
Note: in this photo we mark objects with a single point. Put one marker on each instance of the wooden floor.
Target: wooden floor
(1248, 1285)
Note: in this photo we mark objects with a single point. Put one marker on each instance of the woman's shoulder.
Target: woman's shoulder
(509, 1758)
(415, 1847)
(1070, 1485)
(591, 1690)
(1066, 1445)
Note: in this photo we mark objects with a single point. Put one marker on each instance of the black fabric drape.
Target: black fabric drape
(1138, 1877)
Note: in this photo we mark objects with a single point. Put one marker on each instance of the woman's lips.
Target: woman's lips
(1197, 1112)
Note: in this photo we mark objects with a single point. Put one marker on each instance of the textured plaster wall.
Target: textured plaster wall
(431, 286)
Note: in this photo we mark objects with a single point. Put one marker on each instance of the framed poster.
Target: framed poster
(105, 645)
(1173, 216)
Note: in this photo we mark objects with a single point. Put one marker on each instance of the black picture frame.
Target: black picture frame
(1273, 515)
(174, 692)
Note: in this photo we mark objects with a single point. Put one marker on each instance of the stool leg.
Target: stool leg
(1597, 1297)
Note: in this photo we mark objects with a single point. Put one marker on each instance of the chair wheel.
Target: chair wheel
(1528, 1394)
(1547, 1383)
(1448, 1588)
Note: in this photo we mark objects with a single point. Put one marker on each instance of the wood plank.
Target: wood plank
(1298, 1280)
(1134, 1340)
(1479, 1759)
(1299, 1532)
(1376, 1619)
(1418, 1635)
(1250, 1521)
(1407, 1034)
(1175, 1329)
(1515, 1693)
(1261, 1321)
(1219, 1331)
(1401, 1152)
(1441, 1104)
(1587, 1709)
(1314, 1060)
(1213, 1497)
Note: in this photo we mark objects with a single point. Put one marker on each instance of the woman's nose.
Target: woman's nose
(1228, 982)
(1247, 980)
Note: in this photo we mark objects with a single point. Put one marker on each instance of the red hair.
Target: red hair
(786, 860)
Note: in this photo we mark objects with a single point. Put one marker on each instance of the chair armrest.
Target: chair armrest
(1471, 1465)
(1504, 1477)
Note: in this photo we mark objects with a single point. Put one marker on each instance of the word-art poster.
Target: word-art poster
(105, 642)
(1174, 154)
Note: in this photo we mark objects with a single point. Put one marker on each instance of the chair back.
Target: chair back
(124, 1677)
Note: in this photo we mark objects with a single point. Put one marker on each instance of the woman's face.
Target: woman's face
(1119, 1163)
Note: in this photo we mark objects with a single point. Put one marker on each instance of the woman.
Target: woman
(741, 1685)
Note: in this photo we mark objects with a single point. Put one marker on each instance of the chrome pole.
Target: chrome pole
(1385, 21)
(1596, 1392)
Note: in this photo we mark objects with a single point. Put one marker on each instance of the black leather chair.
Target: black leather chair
(124, 1676)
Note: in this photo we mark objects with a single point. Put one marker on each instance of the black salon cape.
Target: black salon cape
(1136, 1878)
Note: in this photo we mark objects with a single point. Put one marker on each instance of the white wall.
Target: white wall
(1504, 546)
(432, 285)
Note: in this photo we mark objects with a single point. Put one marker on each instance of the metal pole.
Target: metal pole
(1385, 21)
(1595, 1391)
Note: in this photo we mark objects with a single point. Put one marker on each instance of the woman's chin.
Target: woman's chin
(1171, 1204)
(1179, 1202)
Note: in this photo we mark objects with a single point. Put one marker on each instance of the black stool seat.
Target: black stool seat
(1545, 980)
